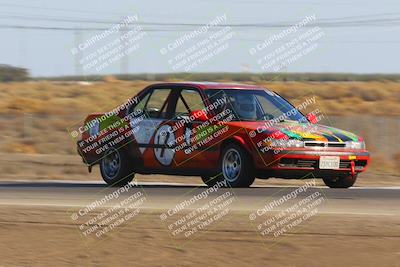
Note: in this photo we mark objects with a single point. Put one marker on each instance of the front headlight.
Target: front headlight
(285, 143)
(355, 145)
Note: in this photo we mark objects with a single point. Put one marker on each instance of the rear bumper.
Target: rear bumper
(299, 163)
(88, 158)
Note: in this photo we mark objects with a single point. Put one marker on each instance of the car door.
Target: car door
(188, 155)
(153, 108)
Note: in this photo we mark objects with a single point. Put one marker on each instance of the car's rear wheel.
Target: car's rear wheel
(115, 168)
(236, 168)
(340, 181)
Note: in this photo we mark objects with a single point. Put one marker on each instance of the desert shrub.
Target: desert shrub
(10, 74)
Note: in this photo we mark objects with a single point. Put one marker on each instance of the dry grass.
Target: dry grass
(48, 98)
(62, 98)
(346, 98)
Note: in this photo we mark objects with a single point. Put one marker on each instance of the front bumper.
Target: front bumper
(301, 162)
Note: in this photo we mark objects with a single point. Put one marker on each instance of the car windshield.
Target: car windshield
(254, 105)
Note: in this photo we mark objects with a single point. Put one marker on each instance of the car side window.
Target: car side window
(188, 101)
(139, 107)
(156, 105)
(153, 104)
(215, 97)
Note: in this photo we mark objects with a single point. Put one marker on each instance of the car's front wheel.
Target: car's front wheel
(340, 181)
(236, 168)
(115, 168)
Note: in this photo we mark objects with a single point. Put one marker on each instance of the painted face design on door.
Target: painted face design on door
(164, 137)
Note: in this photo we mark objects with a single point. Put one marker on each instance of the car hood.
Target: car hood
(299, 131)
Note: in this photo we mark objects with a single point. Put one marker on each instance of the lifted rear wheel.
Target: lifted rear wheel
(340, 181)
(115, 168)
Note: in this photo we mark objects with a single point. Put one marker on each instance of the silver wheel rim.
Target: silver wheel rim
(231, 165)
(111, 164)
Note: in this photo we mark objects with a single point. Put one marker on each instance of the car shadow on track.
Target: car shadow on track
(88, 185)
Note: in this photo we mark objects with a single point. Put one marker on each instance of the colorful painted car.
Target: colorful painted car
(228, 133)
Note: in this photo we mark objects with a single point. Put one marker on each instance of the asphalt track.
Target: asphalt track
(368, 201)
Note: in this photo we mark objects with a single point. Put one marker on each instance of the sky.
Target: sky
(354, 36)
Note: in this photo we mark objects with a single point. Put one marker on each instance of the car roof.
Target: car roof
(210, 85)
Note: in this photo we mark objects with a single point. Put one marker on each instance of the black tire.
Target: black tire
(116, 168)
(340, 182)
(241, 174)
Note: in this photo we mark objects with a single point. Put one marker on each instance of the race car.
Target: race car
(230, 133)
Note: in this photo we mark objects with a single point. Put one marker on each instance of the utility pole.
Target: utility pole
(124, 61)
(22, 55)
(78, 56)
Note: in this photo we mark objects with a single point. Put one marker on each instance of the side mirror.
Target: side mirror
(199, 115)
(312, 118)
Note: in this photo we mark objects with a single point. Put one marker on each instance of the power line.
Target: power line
(58, 9)
(350, 21)
(371, 23)
(80, 20)
(173, 31)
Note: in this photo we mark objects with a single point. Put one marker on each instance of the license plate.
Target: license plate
(329, 162)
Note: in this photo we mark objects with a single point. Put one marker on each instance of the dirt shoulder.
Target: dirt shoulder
(48, 237)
